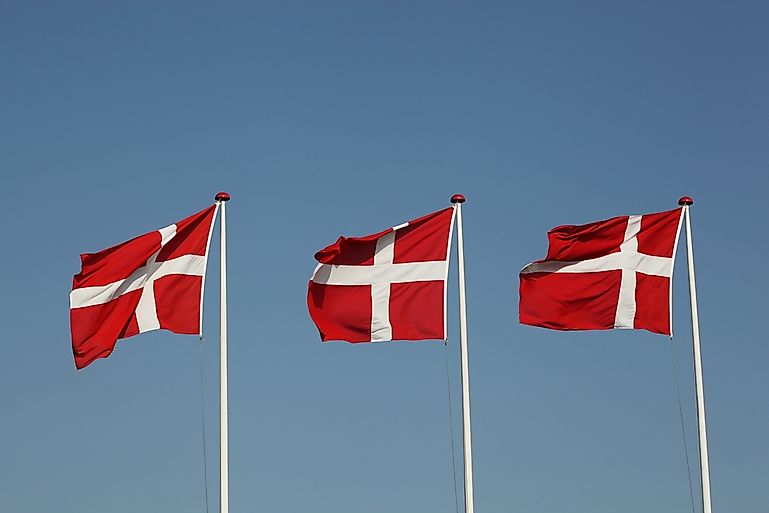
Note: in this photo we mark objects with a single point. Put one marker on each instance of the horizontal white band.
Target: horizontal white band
(194, 265)
(646, 264)
(328, 274)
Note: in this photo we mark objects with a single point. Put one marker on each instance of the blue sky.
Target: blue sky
(330, 118)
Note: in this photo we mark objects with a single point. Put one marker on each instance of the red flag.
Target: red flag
(386, 286)
(154, 281)
(609, 274)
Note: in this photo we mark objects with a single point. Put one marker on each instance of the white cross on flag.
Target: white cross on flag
(608, 274)
(386, 286)
(154, 281)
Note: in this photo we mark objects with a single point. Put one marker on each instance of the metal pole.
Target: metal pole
(701, 425)
(457, 200)
(224, 493)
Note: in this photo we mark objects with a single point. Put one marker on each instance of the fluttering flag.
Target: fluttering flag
(154, 281)
(386, 286)
(603, 275)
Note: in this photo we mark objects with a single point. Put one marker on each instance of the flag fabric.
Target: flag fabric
(154, 281)
(608, 274)
(386, 286)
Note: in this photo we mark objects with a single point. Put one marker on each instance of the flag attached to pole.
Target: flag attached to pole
(603, 275)
(386, 286)
(154, 281)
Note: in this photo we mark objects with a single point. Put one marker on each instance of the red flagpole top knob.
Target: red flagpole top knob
(457, 198)
(222, 196)
(685, 200)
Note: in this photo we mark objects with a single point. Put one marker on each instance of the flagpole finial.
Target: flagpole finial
(685, 200)
(457, 198)
(222, 196)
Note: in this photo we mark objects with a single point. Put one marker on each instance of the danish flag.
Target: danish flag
(386, 286)
(154, 281)
(608, 274)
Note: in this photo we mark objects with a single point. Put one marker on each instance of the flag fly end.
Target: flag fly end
(222, 196)
(685, 200)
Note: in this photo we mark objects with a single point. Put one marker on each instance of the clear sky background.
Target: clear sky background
(330, 118)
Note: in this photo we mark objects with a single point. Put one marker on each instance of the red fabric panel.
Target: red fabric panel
(658, 233)
(177, 299)
(570, 301)
(95, 329)
(132, 326)
(116, 263)
(416, 310)
(341, 312)
(191, 236)
(652, 296)
(351, 250)
(574, 243)
(424, 239)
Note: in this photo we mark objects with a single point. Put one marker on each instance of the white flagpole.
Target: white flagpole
(457, 200)
(685, 202)
(224, 492)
